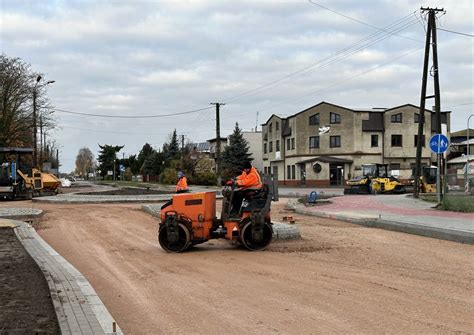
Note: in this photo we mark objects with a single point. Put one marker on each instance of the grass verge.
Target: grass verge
(455, 203)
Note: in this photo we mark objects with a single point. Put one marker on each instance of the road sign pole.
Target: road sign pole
(438, 171)
(438, 179)
(439, 144)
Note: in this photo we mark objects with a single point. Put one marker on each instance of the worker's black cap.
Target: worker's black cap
(247, 165)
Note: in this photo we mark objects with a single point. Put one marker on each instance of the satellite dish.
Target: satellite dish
(324, 129)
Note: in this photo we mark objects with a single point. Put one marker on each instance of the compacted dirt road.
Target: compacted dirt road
(339, 278)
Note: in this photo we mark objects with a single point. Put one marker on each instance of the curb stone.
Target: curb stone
(78, 308)
(409, 228)
(281, 231)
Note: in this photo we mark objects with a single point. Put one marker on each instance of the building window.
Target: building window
(270, 146)
(397, 118)
(417, 117)
(293, 172)
(277, 145)
(397, 141)
(270, 127)
(277, 126)
(335, 141)
(314, 142)
(422, 140)
(374, 141)
(314, 120)
(292, 143)
(288, 172)
(334, 118)
(264, 148)
(288, 144)
(394, 166)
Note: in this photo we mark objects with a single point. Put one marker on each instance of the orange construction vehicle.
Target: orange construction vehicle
(190, 219)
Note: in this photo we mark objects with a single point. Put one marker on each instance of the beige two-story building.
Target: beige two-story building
(327, 144)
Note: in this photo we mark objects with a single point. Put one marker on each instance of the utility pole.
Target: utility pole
(41, 143)
(256, 123)
(218, 142)
(182, 151)
(57, 159)
(430, 34)
(35, 131)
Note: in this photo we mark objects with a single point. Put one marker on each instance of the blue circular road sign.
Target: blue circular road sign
(439, 143)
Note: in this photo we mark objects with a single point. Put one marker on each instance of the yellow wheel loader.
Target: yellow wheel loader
(374, 179)
(18, 184)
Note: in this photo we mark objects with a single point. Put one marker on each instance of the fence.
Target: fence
(457, 184)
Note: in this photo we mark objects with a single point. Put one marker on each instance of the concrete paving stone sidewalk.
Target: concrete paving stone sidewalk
(21, 214)
(78, 308)
(399, 213)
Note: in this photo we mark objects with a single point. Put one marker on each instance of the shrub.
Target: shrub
(204, 178)
(169, 176)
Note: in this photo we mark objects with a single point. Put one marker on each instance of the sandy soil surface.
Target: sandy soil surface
(339, 278)
(25, 302)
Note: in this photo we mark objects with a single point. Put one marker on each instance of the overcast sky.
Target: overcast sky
(125, 58)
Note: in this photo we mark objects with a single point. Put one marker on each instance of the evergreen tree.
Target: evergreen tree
(145, 153)
(171, 149)
(153, 164)
(132, 163)
(107, 157)
(236, 153)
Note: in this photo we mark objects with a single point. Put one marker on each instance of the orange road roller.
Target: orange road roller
(190, 218)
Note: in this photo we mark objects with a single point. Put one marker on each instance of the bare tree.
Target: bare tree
(85, 162)
(17, 82)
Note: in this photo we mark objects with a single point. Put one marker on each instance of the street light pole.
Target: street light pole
(466, 172)
(35, 140)
(35, 126)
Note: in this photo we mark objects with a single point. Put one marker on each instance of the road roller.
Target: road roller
(190, 218)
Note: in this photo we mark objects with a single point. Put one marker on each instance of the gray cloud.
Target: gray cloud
(154, 57)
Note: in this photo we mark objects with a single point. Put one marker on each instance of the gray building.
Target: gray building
(299, 153)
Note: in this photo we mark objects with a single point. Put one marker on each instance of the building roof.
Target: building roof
(471, 142)
(463, 133)
(461, 159)
(278, 116)
(370, 110)
(411, 105)
(326, 159)
(201, 146)
(215, 139)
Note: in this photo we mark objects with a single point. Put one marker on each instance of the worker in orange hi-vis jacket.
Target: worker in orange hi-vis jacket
(182, 185)
(250, 178)
(248, 181)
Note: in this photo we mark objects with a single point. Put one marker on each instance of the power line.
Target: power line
(463, 104)
(348, 53)
(352, 52)
(393, 25)
(455, 32)
(130, 116)
(112, 132)
(361, 22)
(343, 81)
